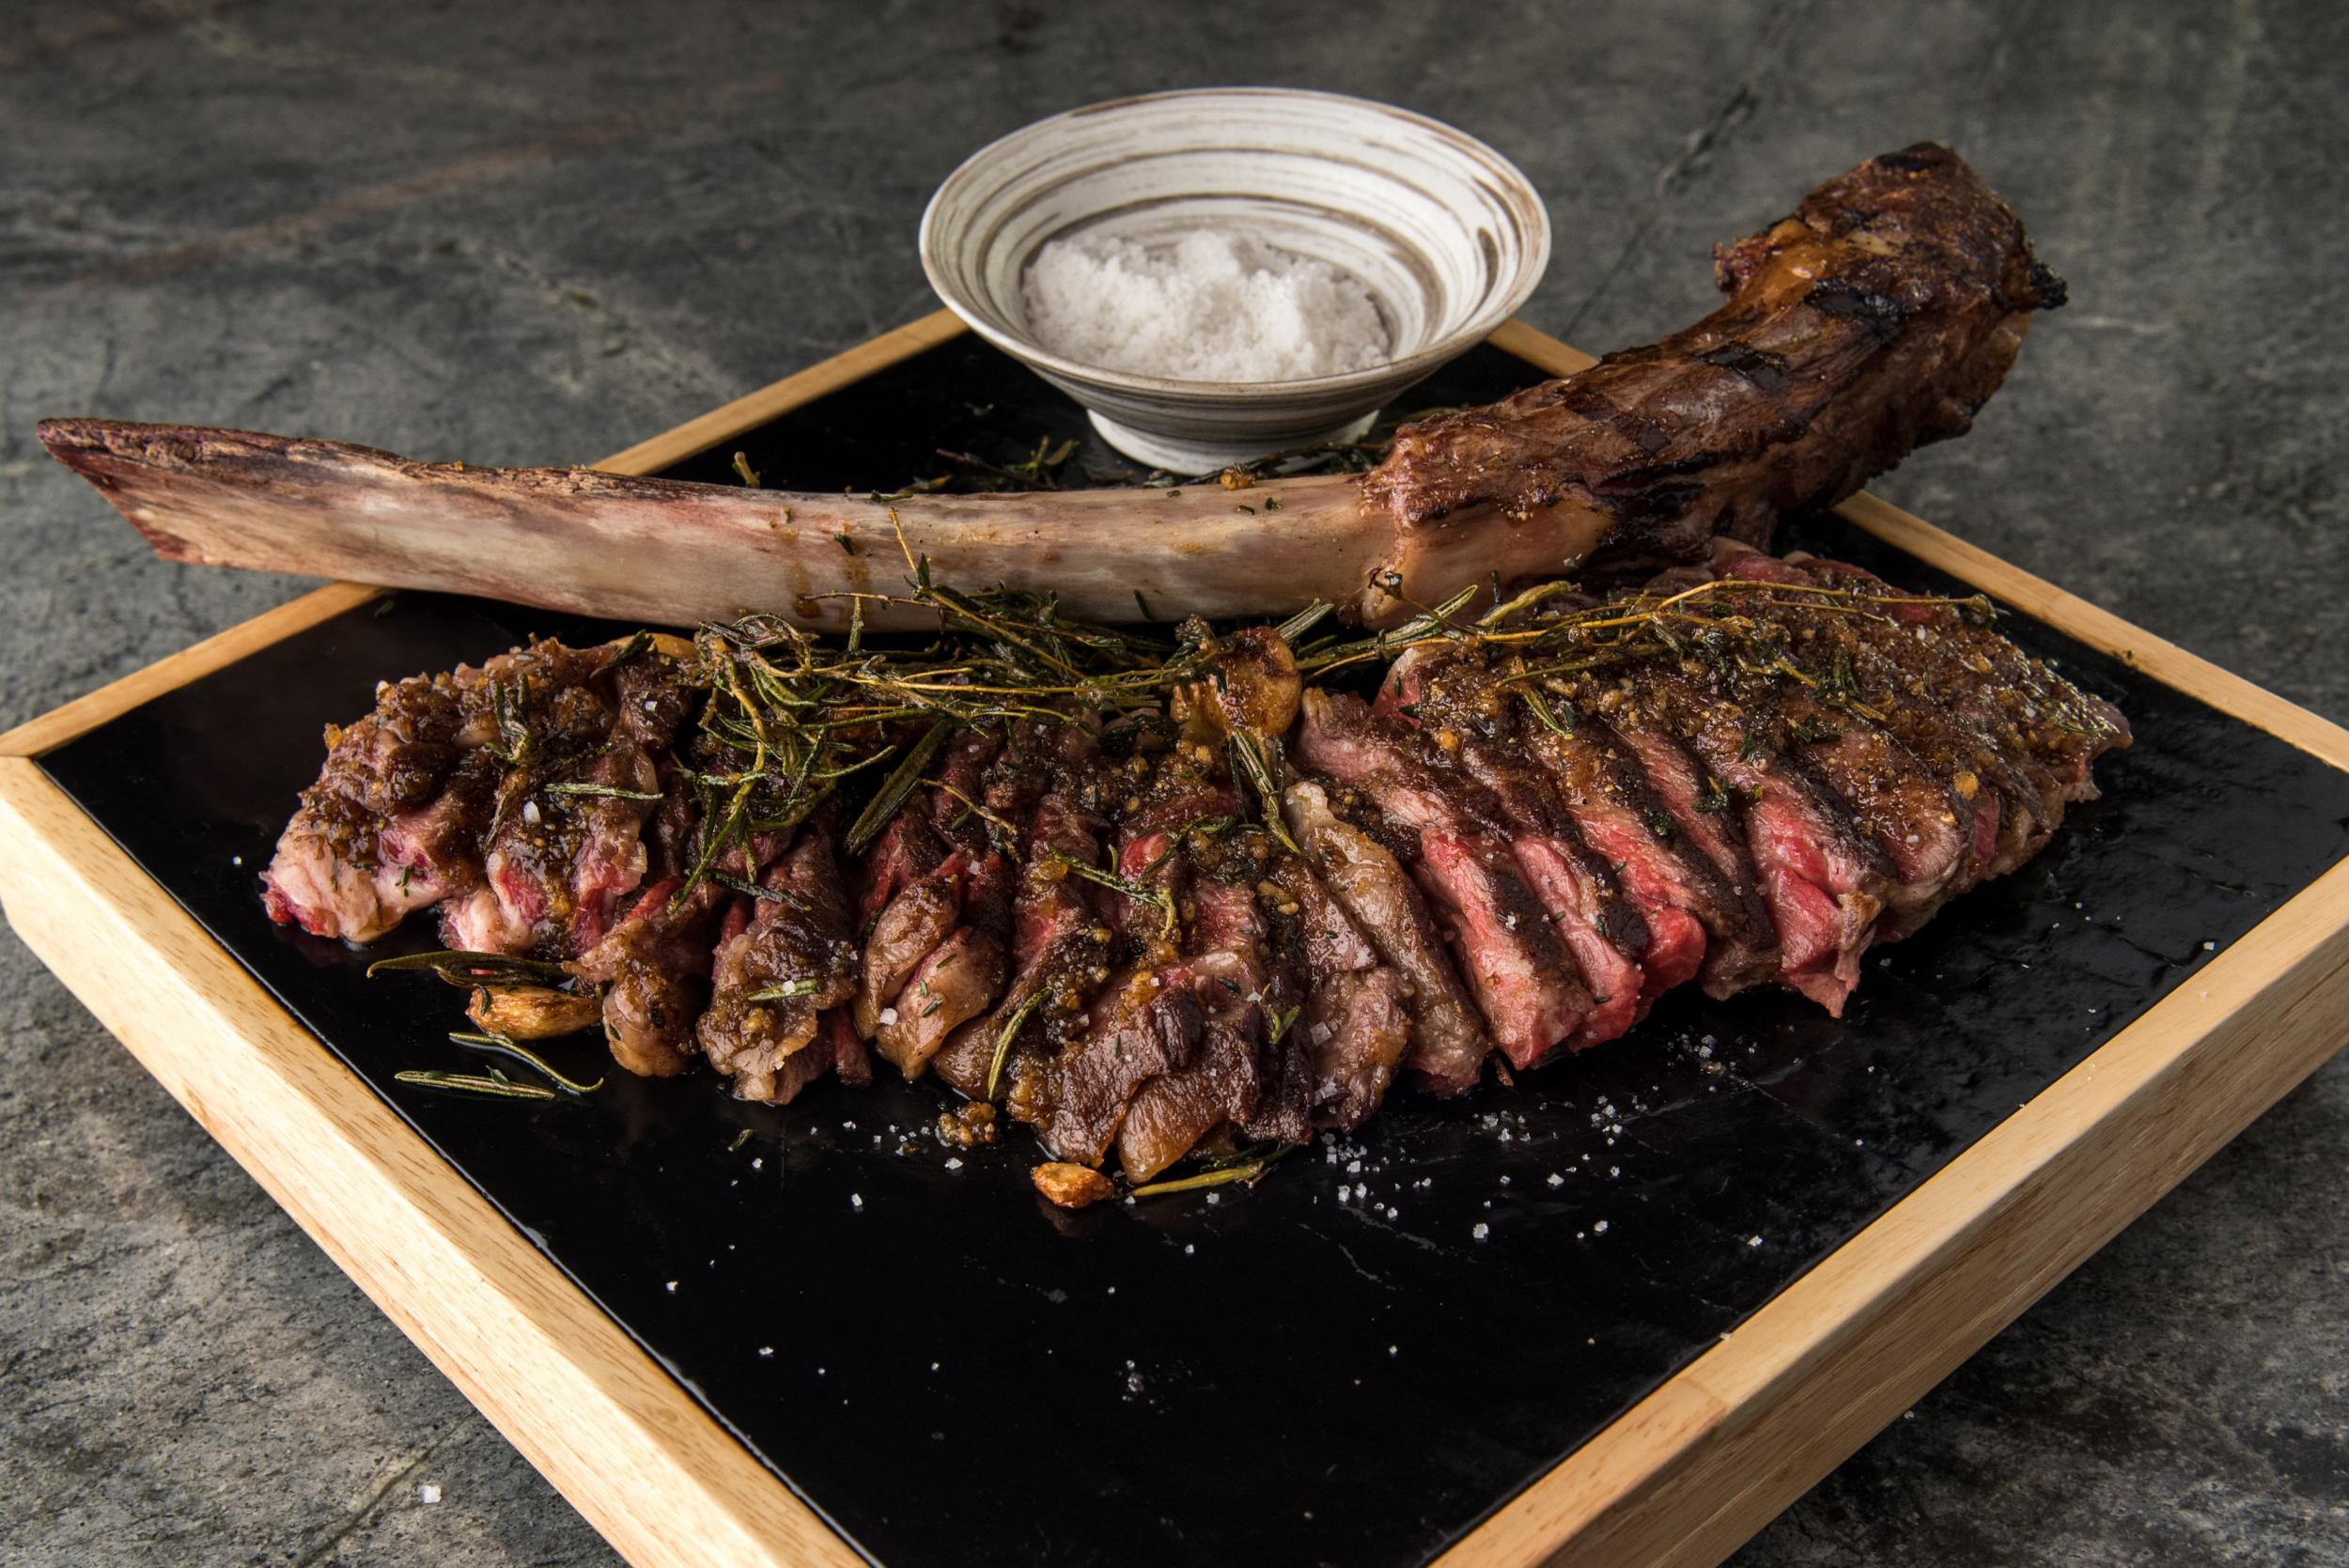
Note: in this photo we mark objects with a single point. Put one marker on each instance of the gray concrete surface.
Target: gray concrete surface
(538, 231)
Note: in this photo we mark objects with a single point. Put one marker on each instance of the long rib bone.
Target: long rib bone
(1877, 318)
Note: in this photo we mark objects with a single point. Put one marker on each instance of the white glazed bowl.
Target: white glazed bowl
(1447, 236)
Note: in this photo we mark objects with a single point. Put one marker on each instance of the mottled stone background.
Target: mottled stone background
(536, 232)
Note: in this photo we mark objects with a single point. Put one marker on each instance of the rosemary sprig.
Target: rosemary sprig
(1259, 760)
(498, 1087)
(1004, 1043)
(785, 991)
(1161, 901)
(1248, 1166)
(636, 642)
(471, 969)
(895, 787)
(506, 1046)
(601, 792)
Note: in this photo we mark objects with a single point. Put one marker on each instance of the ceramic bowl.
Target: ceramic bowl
(1445, 234)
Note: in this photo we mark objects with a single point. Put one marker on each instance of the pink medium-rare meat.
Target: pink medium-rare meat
(1523, 980)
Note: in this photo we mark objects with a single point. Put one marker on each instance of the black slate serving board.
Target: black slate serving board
(1354, 1361)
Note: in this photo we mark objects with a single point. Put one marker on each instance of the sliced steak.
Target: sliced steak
(1448, 1042)
(792, 960)
(1823, 878)
(654, 965)
(1464, 721)
(1146, 1022)
(1059, 943)
(1352, 1018)
(1521, 974)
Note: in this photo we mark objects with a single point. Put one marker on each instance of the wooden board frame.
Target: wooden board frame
(1682, 1479)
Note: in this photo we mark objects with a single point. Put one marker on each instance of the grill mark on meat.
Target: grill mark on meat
(1872, 322)
(1465, 721)
(1744, 947)
(1631, 863)
(1524, 980)
(1823, 880)
(1967, 703)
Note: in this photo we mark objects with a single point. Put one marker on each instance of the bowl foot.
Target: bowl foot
(1178, 456)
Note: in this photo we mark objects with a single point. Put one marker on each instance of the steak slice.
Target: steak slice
(1353, 1017)
(1520, 972)
(1452, 701)
(837, 1050)
(654, 965)
(1448, 1043)
(1146, 1022)
(795, 942)
(1823, 880)
(917, 880)
(962, 976)
(1060, 946)
(1221, 1084)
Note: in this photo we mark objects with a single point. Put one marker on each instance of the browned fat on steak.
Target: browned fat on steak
(1744, 771)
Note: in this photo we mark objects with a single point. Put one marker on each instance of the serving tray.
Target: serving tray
(1623, 1311)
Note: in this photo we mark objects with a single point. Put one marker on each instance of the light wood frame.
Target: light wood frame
(1682, 1479)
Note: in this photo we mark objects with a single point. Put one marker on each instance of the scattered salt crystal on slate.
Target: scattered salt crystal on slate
(429, 1492)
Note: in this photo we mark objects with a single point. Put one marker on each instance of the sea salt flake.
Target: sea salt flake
(429, 1493)
(1206, 303)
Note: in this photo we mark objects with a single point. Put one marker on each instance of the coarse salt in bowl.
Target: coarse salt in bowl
(1445, 235)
